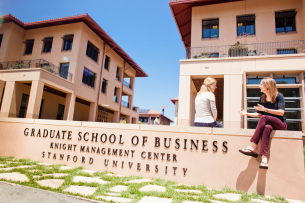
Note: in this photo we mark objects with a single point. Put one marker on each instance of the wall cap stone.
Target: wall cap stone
(58, 122)
(163, 128)
(16, 120)
(111, 125)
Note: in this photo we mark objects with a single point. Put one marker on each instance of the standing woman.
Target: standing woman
(270, 110)
(206, 112)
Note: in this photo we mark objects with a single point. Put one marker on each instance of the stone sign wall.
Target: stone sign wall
(184, 154)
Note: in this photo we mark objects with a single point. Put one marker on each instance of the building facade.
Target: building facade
(66, 69)
(239, 43)
(148, 116)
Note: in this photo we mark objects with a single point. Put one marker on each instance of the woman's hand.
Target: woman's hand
(259, 107)
(243, 112)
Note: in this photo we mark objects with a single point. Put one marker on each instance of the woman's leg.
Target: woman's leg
(265, 140)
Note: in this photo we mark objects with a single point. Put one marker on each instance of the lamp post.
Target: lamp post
(104, 105)
(163, 112)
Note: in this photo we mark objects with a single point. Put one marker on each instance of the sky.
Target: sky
(144, 29)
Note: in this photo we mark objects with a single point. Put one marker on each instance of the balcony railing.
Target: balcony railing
(36, 63)
(126, 84)
(126, 104)
(245, 50)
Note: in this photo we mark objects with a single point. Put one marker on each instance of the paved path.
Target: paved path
(13, 193)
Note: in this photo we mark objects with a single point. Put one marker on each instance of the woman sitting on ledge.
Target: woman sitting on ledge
(206, 112)
(270, 110)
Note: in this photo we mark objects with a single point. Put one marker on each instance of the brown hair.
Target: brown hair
(272, 89)
(205, 87)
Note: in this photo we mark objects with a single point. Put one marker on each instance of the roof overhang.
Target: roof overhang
(90, 23)
(182, 13)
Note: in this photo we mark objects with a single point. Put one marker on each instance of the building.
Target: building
(238, 43)
(148, 116)
(66, 69)
(176, 103)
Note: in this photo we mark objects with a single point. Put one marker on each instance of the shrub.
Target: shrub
(238, 50)
(139, 122)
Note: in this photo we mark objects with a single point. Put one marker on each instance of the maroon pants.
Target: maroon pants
(263, 130)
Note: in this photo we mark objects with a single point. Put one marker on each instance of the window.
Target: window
(285, 80)
(28, 46)
(104, 85)
(88, 78)
(68, 41)
(1, 36)
(115, 98)
(23, 106)
(246, 25)
(47, 44)
(107, 60)
(64, 69)
(60, 112)
(40, 110)
(285, 21)
(117, 77)
(286, 51)
(210, 28)
(92, 51)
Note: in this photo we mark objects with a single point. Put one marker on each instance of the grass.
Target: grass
(133, 191)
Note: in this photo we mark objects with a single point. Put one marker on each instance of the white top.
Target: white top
(156, 121)
(205, 108)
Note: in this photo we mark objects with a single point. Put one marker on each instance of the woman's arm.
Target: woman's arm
(245, 113)
(278, 112)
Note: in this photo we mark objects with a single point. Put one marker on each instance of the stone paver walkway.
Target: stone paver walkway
(103, 186)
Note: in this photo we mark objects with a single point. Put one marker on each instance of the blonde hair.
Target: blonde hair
(205, 87)
(272, 89)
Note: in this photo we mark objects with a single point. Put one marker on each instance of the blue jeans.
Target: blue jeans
(214, 125)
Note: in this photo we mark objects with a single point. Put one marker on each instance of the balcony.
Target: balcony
(126, 104)
(246, 50)
(37, 63)
(127, 84)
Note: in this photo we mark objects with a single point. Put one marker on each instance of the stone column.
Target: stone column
(92, 111)
(184, 101)
(116, 117)
(7, 99)
(35, 99)
(69, 106)
(128, 119)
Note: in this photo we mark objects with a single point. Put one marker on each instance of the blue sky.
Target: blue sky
(145, 29)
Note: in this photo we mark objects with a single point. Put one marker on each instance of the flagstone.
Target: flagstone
(52, 183)
(293, 201)
(116, 175)
(185, 201)
(83, 190)
(45, 164)
(139, 181)
(32, 171)
(154, 200)
(57, 175)
(215, 201)
(148, 188)
(114, 199)
(180, 184)
(89, 180)
(88, 171)
(191, 191)
(118, 188)
(11, 168)
(112, 194)
(12, 162)
(1, 165)
(65, 168)
(228, 196)
(212, 189)
(14, 177)
(36, 176)
(259, 201)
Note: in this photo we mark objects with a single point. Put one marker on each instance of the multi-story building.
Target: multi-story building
(239, 43)
(148, 116)
(67, 69)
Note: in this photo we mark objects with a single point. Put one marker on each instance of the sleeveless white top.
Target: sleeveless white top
(205, 108)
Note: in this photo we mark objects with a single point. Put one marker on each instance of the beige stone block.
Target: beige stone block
(58, 122)
(36, 176)
(65, 168)
(115, 199)
(56, 175)
(1, 165)
(52, 183)
(163, 128)
(259, 201)
(154, 200)
(111, 125)
(83, 190)
(188, 191)
(148, 188)
(14, 177)
(229, 196)
(139, 181)
(45, 164)
(91, 172)
(112, 194)
(16, 120)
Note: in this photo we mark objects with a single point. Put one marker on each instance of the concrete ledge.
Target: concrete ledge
(111, 125)
(16, 120)
(250, 132)
(58, 122)
(163, 128)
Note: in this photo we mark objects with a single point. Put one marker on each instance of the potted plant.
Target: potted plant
(251, 53)
(238, 50)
